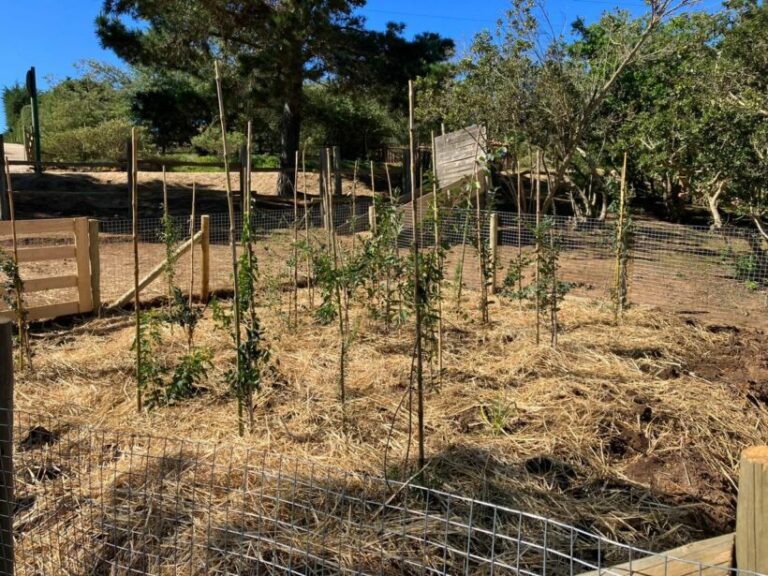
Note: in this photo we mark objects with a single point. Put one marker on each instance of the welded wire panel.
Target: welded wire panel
(91, 501)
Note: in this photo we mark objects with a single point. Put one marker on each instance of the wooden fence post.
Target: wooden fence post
(7, 500)
(82, 255)
(5, 213)
(372, 218)
(752, 511)
(94, 257)
(205, 261)
(493, 246)
(336, 170)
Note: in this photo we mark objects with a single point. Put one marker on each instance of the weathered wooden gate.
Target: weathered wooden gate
(54, 257)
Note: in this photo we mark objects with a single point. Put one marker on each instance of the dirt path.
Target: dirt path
(16, 152)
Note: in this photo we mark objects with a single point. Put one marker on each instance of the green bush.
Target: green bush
(209, 141)
(104, 142)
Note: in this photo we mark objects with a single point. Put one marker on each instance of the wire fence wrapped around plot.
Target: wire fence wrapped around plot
(721, 275)
(90, 501)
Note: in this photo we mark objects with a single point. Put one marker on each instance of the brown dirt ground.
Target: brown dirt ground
(105, 194)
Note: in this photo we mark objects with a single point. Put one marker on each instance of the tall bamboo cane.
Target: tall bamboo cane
(233, 249)
(417, 296)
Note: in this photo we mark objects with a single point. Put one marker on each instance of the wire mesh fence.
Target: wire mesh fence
(93, 501)
(721, 275)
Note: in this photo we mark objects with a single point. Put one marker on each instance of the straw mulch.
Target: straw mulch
(629, 430)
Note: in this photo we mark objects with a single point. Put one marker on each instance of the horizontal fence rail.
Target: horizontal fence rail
(90, 501)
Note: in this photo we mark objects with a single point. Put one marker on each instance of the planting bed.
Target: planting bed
(629, 430)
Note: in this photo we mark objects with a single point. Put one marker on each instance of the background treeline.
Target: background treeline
(86, 118)
(685, 92)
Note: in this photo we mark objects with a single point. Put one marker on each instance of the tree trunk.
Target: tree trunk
(290, 130)
(713, 201)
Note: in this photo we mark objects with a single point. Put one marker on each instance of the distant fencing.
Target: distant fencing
(717, 275)
(93, 501)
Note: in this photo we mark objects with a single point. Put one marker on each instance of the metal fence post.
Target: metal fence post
(7, 500)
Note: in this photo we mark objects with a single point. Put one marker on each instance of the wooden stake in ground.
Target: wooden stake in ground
(519, 227)
(167, 233)
(620, 284)
(192, 251)
(373, 182)
(233, 250)
(296, 242)
(438, 240)
(417, 296)
(482, 259)
(354, 206)
(136, 288)
(25, 352)
(538, 247)
(306, 228)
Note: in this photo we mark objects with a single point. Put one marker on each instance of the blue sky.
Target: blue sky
(53, 35)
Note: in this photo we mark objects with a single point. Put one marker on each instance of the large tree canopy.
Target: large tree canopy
(272, 49)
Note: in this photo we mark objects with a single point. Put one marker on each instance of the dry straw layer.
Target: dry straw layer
(614, 432)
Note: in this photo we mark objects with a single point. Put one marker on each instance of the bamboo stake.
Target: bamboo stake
(24, 348)
(354, 207)
(339, 305)
(479, 240)
(373, 182)
(438, 238)
(192, 251)
(519, 226)
(166, 229)
(538, 247)
(233, 248)
(136, 288)
(306, 228)
(296, 242)
(619, 286)
(417, 296)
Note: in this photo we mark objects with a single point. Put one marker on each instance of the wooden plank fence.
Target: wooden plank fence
(79, 251)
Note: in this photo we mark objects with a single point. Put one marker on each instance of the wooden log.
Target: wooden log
(7, 499)
(95, 264)
(205, 260)
(156, 271)
(752, 511)
(82, 252)
(712, 557)
(493, 246)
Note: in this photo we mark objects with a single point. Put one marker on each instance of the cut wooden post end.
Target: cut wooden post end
(752, 511)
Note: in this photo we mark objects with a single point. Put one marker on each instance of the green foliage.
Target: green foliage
(209, 140)
(500, 416)
(384, 271)
(358, 123)
(14, 99)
